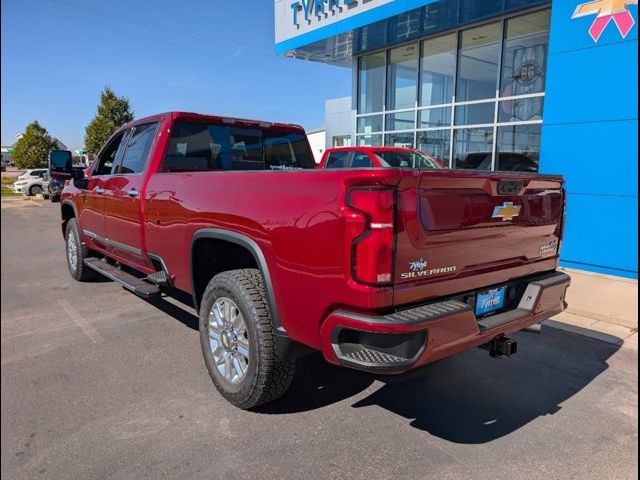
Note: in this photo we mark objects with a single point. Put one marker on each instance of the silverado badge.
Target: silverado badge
(418, 270)
(506, 211)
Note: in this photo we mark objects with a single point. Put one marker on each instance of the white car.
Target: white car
(33, 173)
(32, 182)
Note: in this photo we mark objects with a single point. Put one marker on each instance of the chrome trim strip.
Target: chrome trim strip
(125, 247)
(112, 243)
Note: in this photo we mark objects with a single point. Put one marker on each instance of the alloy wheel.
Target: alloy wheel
(228, 340)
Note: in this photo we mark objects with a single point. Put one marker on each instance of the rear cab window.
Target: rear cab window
(197, 146)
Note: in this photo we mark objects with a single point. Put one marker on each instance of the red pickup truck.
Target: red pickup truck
(381, 269)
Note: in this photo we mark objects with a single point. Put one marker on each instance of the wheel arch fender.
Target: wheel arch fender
(67, 212)
(254, 249)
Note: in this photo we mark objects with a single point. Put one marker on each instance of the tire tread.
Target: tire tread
(275, 373)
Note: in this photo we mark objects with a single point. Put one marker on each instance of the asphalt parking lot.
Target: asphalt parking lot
(98, 383)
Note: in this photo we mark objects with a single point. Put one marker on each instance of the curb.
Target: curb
(602, 331)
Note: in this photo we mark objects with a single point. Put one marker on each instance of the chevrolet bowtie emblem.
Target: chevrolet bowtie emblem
(506, 211)
(607, 10)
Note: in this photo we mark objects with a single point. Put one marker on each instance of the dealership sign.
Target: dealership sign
(606, 11)
(298, 17)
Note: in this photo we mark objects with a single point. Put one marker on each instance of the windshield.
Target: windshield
(407, 160)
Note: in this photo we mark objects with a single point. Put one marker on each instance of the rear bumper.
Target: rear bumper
(406, 339)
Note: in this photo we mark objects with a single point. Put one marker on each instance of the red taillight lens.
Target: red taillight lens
(372, 251)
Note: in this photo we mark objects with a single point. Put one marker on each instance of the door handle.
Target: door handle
(99, 191)
(132, 192)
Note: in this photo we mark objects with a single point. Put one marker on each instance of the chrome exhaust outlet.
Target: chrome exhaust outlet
(535, 328)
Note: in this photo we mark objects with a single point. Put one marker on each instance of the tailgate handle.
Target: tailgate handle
(509, 187)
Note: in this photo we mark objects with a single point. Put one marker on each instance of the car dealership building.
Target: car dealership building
(515, 85)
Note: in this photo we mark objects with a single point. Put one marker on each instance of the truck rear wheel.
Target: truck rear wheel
(237, 339)
(76, 253)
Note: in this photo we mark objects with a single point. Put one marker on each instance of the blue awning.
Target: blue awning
(394, 23)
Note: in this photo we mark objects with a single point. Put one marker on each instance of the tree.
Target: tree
(32, 148)
(113, 112)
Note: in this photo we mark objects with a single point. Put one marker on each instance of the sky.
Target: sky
(206, 56)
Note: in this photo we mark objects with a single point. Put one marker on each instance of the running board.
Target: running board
(134, 284)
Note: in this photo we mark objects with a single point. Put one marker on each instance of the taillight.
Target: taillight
(372, 250)
(563, 220)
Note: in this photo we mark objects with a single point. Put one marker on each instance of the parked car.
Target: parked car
(370, 157)
(32, 182)
(37, 173)
(382, 270)
(31, 186)
(55, 189)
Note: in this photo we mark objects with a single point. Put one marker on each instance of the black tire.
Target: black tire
(33, 188)
(268, 375)
(79, 271)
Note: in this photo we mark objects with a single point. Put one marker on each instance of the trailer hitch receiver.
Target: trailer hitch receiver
(501, 347)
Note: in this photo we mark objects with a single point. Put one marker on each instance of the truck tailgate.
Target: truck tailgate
(459, 230)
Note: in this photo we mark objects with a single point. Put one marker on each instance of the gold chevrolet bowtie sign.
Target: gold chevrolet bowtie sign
(506, 211)
(605, 11)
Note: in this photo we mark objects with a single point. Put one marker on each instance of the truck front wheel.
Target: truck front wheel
(76, 253)
(237, 339)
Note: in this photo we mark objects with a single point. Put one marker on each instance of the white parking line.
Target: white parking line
(91, 332)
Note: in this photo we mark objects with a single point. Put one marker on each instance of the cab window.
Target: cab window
(361, 160)
(107, 158)
(337, 160)
(139, 143)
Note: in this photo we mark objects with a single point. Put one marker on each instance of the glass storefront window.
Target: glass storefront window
(478, 59)
(518, 148)
(475, 114)
(434, 117)
(451, 94)
(437, 70)
(402, 77)
(371, 82)
(399, 140)
(369, 140)
(472, 148)
(520, 109)
(525, 54)
(370, 124)
(401, 121)
(435, 143)
(342, 141)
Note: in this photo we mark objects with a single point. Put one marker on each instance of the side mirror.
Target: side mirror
(79, 180)
(61, 161)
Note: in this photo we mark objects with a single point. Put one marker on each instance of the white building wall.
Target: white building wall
(339, 118)
(317, 142)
